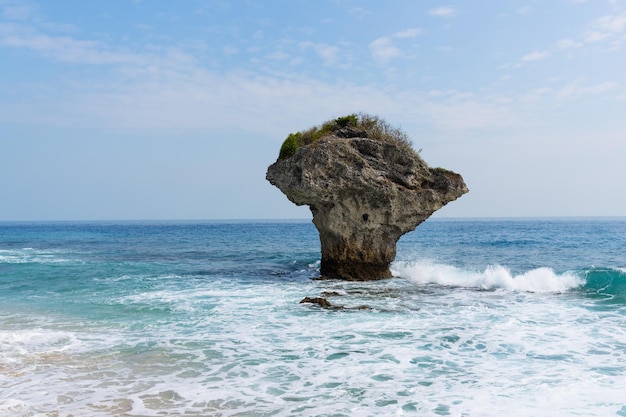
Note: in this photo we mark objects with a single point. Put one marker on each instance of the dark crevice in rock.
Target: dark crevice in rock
(351, 132)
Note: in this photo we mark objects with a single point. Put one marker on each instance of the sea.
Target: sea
(483, 317)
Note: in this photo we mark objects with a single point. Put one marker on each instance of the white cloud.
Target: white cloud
(535, 56)
(572, 91)
(230, 50)
(328, 53)
(606, 28)
(444, 11)
(409, 33)
(535, 95)
(595, 36)
(166, 90)
(568, 92)
(611, 23)
(575, 89)
(383, 48)
(62, 48)
(568, 44)
(360, 12)
(278, 56)
(17, 10)
(169, 89)
(155, 62)
(463, 112)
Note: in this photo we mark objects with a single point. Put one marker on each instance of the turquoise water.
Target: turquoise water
(482, 318)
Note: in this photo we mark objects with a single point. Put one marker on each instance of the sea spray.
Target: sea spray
(539, 280)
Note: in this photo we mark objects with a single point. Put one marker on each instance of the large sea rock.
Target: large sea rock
(364, 194)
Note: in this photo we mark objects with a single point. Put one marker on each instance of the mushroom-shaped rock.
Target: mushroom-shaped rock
(364, 194)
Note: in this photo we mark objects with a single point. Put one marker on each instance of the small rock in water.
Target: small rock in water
(322, 302)
(331, 294)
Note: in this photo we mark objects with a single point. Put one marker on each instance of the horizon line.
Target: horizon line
(303, 219)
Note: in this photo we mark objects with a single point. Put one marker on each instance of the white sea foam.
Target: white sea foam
(540, 280)
(15, 344)
(178, 299)
(30, 255)
(463, 353)
(14, 407)
(145, 338)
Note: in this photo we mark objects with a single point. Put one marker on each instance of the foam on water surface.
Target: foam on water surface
(540, 280)
(204, 320)
(433, 352)
(30, 255)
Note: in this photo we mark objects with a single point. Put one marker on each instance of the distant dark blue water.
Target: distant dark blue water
(522, 317)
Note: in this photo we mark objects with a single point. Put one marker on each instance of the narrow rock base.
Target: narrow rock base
(354, 270)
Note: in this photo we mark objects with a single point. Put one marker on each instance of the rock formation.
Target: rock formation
(322, 302)
(364, 194)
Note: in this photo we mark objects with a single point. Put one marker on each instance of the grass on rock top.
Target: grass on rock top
(366, 125)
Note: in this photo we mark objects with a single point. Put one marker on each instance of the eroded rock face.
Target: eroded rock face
(364, 194)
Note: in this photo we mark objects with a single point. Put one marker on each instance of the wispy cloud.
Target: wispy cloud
(577, 89)
(611, 23)
(62, 48)
(594, 36)
(573, 90)
(535, 56)
(17, 10)
(409, 33)
(605, 28)
(444, 11)
(568, 44)
(167, 88)
(328, 53)
(459, 111)
(383, 49)
(360, 12)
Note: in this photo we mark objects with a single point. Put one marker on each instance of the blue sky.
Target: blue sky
(156, 109)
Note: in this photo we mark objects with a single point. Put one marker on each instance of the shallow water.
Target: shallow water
(483, 318)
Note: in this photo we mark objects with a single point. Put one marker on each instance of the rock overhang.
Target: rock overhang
(364, 194)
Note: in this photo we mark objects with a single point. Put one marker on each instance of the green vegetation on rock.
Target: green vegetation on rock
(352, 125)
(290, 145)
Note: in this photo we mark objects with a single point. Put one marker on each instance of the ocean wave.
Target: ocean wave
(30, 255)
(605, 281)
(539, 280)
(23, 348)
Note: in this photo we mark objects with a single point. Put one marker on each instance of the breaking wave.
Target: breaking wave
(539, 280)
(610, 282)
